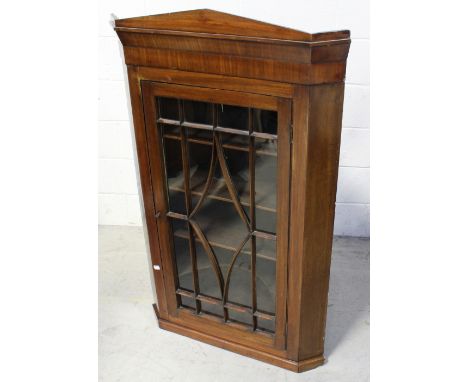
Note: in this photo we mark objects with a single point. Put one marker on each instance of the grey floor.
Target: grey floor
(133, 348)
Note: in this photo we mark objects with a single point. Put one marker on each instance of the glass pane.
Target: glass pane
(265, 220)
(213, 309)
(168, 108)
(171, 131)
(238, 165)
(265, 192)
(182, 254)
(230, 140)
(266, 146)
(200, 159)
(208, 281)
(174, 173)
(265, 121)
(205, 135)
(242, 317)
(266, 325)
(221, 222)
(240, 286)
(234, 117)
(266, 275)
(198, 112)
(266, 249)
(187, 302)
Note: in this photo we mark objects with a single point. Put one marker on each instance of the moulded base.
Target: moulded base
(296, 366)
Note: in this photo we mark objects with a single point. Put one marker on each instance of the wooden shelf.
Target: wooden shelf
(266, 252)
(224, 228)
(265, 195)
(233, 142)
(239, 292)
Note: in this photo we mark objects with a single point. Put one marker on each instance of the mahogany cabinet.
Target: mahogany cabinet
(237, 127)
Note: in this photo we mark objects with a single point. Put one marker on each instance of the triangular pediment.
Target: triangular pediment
(214, 22)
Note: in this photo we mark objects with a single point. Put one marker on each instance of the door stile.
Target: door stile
(147, 194)
(283, 216)
(169, 267)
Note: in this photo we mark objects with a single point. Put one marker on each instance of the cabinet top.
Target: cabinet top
(219, 43)
(219, 24)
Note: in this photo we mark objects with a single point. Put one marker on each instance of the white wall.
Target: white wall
(118, 193)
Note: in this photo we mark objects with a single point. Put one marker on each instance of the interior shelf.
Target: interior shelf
(265, 194)
(266, 252)
(247, 153)
(233, 142)
(224, 228)
(240, 288)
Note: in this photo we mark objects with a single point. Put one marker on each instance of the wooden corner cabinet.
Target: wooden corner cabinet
(237, 127)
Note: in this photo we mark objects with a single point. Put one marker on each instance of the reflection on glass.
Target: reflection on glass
(237, 163)
(242, 317)
(266, 249)
(174, 174)
(168, 108)
(266, 221)
(208, 281)
(221, 224)
(266, 275)
(238, 166)
(199, 161)
(188, 302)
(198, 112)
(201, 134)
(265, 192)
(240, 286)
(234, 117)
(266, 146)
(215, 310)
(265, 121)
(182, 254)
(239, 142)
(267, 325)
(172, 131)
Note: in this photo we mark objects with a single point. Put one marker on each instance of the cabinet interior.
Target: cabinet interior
(222, 212)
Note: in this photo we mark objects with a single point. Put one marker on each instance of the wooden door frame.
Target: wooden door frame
(151, 89)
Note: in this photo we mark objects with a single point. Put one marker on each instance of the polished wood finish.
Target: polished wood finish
(248, 351)
(213, 57)
(214, 22)
(215, 81)
(149, 91)
(218, 43)
(146, 187)
(313, 191)
(300, 73)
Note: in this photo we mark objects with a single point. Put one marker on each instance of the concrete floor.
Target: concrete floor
(132, 347)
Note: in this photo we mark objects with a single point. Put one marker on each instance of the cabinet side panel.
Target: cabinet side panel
(324, 134)
(296, 230)
(146, 186)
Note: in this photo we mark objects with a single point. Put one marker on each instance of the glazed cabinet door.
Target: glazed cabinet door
(220, 168)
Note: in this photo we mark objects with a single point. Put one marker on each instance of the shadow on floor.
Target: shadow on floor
(348, 300)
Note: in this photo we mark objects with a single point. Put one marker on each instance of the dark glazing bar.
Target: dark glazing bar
(188, 204)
